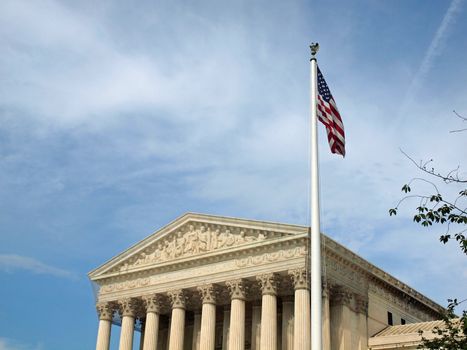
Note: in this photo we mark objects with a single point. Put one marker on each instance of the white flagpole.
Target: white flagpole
(315, 236)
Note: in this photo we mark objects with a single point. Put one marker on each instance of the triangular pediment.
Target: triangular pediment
(193, 236)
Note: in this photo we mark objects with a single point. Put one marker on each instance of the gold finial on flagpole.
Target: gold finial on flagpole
(314, 47)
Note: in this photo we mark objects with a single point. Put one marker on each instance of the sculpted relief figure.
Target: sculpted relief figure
(191, 242)
(204, 239)
(179, 244)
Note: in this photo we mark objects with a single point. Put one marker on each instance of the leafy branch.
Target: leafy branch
(434, 208)
(452, 335)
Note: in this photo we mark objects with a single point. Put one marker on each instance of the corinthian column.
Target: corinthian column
(151, 328)
(256, 326)
(196, 331)
(226, 328)
(237, 314)
(361, 308)
(287, 323)
(128, 308)
(341, 332)
(302, 320)
(268, 284)
(177, 325)
(105, 313)
(326, 318)
(208, 317)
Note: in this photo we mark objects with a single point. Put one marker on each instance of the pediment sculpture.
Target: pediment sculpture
(192, 240)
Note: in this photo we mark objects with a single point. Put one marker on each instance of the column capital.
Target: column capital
(236, 288)
(105, 311)
(177, 298)
(299, 278)
(152, 302)
(341, 296)
(268, 283)
(325, 289)
(361, 304)
(128, 306)
(208, 293)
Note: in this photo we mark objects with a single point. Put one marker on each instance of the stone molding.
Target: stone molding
(152, 303)
(177, 299)
(237, 288)
(195, 238)
(283, 254)
(403, 301)
(105, 311)
(280, 242)
(299, 278)
(208, 293)
(128, 307)
(269, 283)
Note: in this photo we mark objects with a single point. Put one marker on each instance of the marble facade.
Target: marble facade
(206, 282)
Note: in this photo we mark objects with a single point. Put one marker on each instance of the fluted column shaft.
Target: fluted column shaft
(287, 324)
(151, 334)
(302, 322)
(127, 332)
(105, 325)
(151, 328)
(256, 327)
(268, 284)
(177, 325)
(361, 304)
(128, 308)
(208, 317)
(196, 332)
(341, 332)
(326, 320)
(237, 315)
(141, 337)
(237, 325)
(226, 328)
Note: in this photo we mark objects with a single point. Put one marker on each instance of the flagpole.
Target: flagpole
(315, 236)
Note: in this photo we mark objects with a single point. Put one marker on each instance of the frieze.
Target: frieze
(402, 301)
(338, 266)
(283, 254)
(117, 286)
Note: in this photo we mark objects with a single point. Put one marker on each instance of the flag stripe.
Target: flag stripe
(329, 115)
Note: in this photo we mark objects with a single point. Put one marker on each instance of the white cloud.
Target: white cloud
(10, 344)
(10, 263)
(434, 50)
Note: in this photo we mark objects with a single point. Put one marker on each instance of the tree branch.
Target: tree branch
(446, 178)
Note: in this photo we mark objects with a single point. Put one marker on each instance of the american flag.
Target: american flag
(329, 115)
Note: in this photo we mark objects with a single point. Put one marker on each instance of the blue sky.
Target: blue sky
(117, 117)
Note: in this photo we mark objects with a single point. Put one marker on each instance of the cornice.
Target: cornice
(270, 229)
(287, 247)
(375, 274)
(283, 237)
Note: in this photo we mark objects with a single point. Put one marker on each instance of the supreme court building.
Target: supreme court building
(207, 282)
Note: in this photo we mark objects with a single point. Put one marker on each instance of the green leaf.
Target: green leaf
(406, 188)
